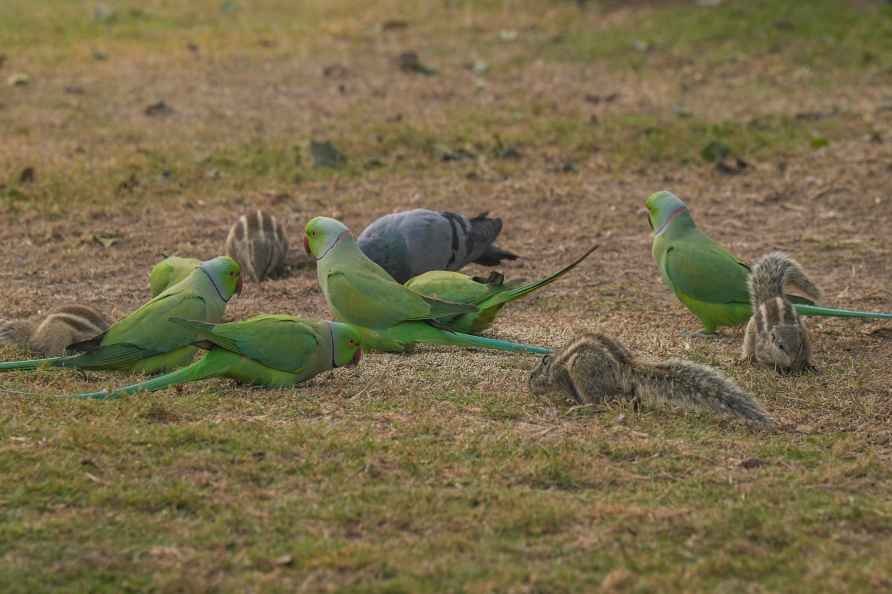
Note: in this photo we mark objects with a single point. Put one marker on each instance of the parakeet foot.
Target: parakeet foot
(702, 334)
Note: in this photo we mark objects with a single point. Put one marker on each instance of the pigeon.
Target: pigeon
(413, 242)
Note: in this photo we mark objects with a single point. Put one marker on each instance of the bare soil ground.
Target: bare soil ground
(437, 471)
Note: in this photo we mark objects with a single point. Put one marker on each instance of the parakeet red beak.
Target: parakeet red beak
(307, 245)
(357, 357)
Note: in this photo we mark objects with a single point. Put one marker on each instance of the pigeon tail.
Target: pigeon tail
(483, 233)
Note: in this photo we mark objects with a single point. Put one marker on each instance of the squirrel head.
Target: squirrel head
(786, 347)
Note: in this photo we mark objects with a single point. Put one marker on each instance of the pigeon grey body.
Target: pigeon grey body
(413, 242)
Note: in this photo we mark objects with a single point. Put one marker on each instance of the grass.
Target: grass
(430, 510)
(437, 472)
(823, 35)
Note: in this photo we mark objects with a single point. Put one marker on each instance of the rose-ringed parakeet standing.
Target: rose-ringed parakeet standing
(706, 278)
(266, 350)
(489, 295)
(146, 340)
(169, 272)
(390, 316)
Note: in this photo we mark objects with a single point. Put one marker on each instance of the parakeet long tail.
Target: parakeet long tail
(422, 333)
(204, 368)
(518, 292)
(29, 364)
(471, 340)
(816, 310)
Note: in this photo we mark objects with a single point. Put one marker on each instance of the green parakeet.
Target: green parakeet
(267, 350)
(390, 316)
(706, 278)
(488, 295)
(169, 272)
(146, 340)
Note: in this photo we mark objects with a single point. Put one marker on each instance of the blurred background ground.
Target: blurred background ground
(133, 130)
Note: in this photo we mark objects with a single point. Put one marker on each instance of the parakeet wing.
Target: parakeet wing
(706, 273)
(279, 342)
(453, 286)
(148, 327)
(374, 301)
(113, 355)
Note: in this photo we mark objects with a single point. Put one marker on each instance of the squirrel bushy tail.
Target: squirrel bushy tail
(691, 384)
(595, 368)
(772, 272)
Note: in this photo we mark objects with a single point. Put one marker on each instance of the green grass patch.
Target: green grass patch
(819, 34)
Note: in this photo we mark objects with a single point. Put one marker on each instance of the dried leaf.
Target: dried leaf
(733, 166)
(411, 64)
(19, 79)
(335, 71)
(325, 154)
(107, 241)
(26, 176)
(715, 151)
(394, 25)
(159, 109)
(129, 184)
(596, 99)
(751, 463)
(445, 153)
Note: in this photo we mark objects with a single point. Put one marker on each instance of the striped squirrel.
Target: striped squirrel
(776, 335)
(257, 241)
(60, 328)
(595, 368)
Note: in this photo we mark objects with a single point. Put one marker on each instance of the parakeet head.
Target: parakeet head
(322, 235)
(346, 345)
(225, 274)
(663, 207)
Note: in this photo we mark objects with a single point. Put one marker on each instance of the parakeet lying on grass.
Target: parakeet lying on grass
(146, 340)
(390, 316)
(489, 295)
(267, 350)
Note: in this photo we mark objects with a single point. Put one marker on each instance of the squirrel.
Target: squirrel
(595, 368)
(60, 328)
(776, 335)
(257, 241)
